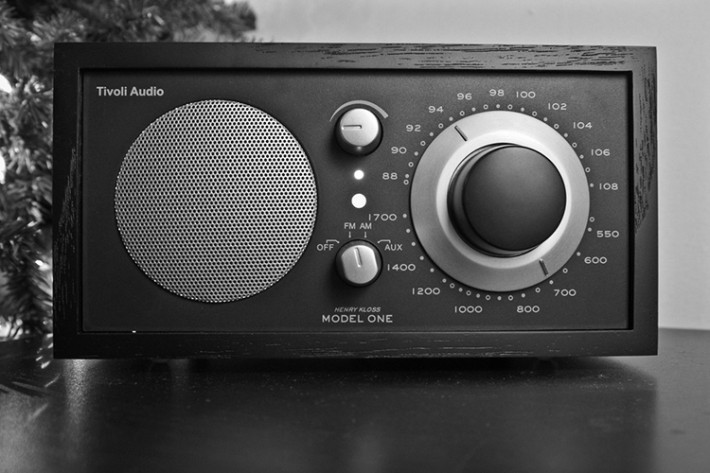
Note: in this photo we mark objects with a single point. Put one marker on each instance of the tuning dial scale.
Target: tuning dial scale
(503, 203)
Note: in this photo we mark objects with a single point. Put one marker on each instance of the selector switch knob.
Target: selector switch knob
(358, 131)
(358, 263)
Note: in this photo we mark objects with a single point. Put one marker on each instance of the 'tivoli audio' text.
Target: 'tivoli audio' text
(124, 91)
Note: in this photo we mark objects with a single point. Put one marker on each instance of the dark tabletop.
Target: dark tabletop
(637, 414)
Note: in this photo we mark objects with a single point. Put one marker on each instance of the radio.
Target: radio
(314, 200)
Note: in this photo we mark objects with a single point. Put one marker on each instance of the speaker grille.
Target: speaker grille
(215, 201)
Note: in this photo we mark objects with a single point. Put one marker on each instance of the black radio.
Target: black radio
(272, 200)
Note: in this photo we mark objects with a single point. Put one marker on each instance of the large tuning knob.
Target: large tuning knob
(506, 200)
(500, 201)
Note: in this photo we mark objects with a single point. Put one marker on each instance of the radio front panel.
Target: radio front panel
(315, 200)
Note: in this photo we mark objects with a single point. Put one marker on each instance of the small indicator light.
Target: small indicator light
(359, 201)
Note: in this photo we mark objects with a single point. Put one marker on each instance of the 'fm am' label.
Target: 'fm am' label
(124, 91)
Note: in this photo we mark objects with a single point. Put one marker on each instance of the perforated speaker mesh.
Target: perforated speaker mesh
(215, 201)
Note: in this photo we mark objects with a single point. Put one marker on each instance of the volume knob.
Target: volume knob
(358, 131)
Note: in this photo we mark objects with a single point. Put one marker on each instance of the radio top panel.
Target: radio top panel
(280, 200)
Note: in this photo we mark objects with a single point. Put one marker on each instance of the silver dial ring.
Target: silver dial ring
(434, 226)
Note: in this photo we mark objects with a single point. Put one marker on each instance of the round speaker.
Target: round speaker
(215, 201)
